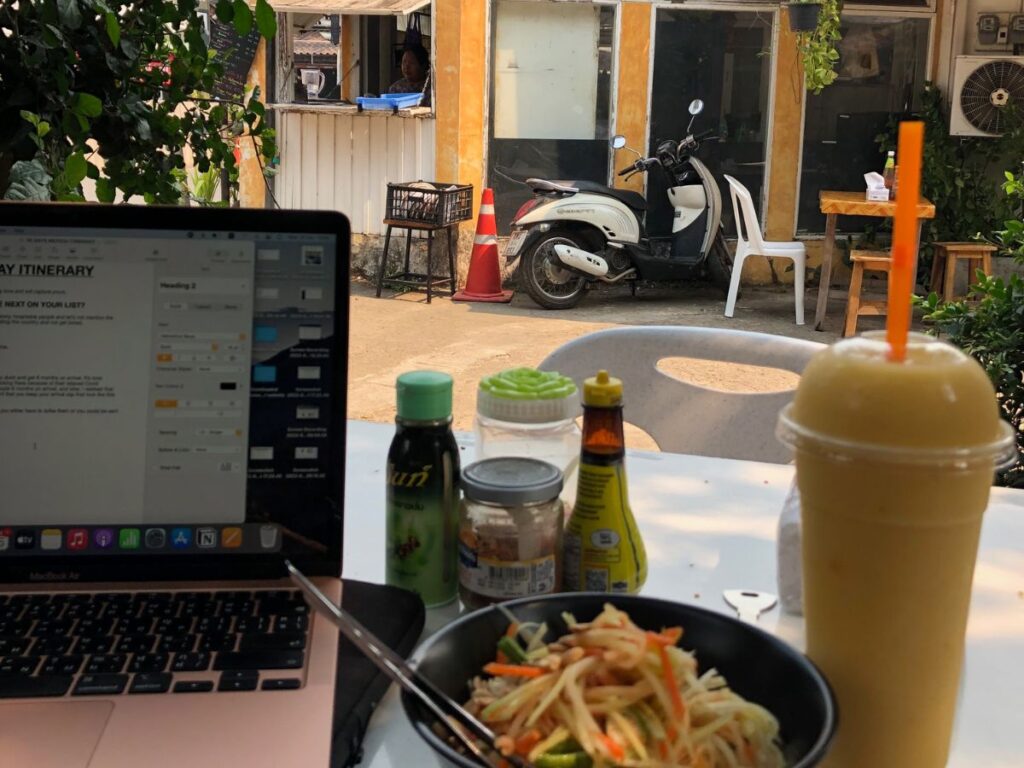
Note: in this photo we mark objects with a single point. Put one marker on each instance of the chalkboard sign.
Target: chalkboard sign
(236, 53)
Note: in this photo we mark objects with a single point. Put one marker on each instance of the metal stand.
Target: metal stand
(417, 280)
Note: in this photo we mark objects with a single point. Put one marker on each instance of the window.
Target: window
(550, 95)
(333, 59)
(882, 71)
(723, 58)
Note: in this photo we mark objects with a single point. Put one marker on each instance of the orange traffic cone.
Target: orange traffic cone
(484, 280)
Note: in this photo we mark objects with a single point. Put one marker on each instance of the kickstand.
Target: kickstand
(632, 287)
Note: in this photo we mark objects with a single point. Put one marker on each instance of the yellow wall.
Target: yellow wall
(631, 118)
(252, 189)
(460, 90)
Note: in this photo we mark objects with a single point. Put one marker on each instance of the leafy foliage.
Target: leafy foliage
(958, 173)
(118, 93)
(990, 327)
(818, 50)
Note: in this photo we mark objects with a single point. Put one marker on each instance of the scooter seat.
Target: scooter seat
(628, 197)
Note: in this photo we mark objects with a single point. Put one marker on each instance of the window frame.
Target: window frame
(863, 11)
(283, 73)
(750, 6)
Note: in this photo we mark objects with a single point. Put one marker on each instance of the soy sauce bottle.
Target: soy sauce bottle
(422, 490)
(603, 550)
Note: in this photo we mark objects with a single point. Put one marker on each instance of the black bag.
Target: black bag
(413, 35)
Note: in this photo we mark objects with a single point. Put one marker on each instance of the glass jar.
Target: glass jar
(510, 530)
(525, 412)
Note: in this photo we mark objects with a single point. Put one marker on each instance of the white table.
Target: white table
(709, 525)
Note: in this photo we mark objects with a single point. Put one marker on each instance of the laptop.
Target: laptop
(172, 427)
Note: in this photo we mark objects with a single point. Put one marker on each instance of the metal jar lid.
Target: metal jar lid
(510, 480)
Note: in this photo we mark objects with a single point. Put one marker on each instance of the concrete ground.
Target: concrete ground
(400, 332)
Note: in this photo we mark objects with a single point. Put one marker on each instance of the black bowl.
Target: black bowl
(757, 665)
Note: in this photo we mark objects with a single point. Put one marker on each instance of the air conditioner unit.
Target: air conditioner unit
(984, 87)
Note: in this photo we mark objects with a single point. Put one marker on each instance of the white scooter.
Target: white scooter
(573, 233)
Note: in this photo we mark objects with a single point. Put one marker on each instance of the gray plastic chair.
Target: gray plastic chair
(683, 417)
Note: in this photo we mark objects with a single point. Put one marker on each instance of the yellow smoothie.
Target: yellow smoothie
(894, 464)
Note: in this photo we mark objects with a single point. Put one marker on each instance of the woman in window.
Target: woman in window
(415, 68)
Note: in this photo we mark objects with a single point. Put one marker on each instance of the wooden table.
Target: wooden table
(835, 204)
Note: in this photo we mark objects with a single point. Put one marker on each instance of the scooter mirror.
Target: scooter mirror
(618, 141)
(696, 107)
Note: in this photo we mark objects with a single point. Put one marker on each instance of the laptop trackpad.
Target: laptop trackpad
(57, 734)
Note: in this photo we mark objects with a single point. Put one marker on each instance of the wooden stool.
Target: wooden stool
(871, 261)
(977, 255)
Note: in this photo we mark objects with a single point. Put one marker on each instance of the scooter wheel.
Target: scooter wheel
(546, 279)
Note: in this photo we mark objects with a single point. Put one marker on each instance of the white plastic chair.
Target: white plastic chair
(750, 243)
(683, 417)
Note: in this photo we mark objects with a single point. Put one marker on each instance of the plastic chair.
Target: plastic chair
(750, 243)
(683, 417)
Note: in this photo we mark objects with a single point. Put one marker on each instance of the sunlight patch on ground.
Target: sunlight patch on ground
(728, 377)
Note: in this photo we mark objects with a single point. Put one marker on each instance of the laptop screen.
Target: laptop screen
(172, 393)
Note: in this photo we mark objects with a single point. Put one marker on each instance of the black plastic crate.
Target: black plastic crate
(430, 203)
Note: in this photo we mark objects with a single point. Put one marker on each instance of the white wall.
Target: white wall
(343, 162)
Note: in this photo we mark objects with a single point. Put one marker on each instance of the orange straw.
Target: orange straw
(904, 241)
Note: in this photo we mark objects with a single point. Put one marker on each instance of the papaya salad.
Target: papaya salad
(609, 693)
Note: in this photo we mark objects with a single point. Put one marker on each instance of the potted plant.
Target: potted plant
(817, 47)
(803, 15)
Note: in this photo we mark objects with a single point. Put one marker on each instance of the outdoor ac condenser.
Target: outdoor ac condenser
(984, 87)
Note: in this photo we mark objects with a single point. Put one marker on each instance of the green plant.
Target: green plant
(115, 92)
(818, 51)
(990, 327)
(958, 174)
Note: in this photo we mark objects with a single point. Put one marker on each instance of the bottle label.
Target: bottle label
(422, 512)
(503, 579)
(602, 545)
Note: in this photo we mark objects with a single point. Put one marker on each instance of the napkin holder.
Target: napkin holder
(876, 189)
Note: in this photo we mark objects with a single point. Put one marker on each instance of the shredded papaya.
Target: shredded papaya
(512, 670)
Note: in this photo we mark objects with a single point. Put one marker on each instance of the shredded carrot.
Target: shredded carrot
(501, 658)
(663, 749)
(512, 670)
(513, 630)
(614, 748)
(678, 708)
(748, 751)
(503, 763)
(665, 637)
(527, 741)
(593, 651)
(671, 732)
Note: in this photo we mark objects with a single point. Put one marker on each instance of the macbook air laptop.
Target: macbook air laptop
(172, 412)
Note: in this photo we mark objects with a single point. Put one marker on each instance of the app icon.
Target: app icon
(156, 538)
(129, 538)
(231, 538)
(268, 536)
(206, 538)
(6, 534)
(103, 538)
(78, 538)
(181, 538)
(25, 538)
(50, 539)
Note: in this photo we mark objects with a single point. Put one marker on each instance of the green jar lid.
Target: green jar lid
(424, 396)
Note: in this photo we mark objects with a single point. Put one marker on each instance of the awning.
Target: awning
(349, 7)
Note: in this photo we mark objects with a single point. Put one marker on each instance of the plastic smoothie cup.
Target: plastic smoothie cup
(894, 463)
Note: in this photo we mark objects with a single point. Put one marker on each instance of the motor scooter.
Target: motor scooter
(572, 234)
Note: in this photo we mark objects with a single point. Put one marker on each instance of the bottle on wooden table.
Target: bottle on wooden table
(889, 173)
(422, 490)
(603, 549)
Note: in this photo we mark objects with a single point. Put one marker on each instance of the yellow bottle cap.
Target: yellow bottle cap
(602, 390)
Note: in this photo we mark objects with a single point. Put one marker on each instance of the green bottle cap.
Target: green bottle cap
(424, 396)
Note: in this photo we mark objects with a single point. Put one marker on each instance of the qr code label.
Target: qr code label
(596, 580)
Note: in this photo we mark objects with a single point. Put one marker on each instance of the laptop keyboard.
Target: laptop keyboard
(111, 643)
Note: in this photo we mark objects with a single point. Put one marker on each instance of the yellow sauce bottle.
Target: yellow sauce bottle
(603, 550)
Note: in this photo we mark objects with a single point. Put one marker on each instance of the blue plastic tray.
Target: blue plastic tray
(390, 101)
